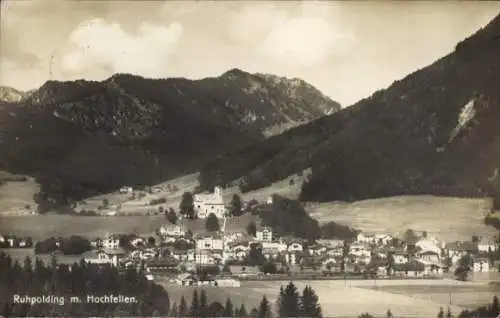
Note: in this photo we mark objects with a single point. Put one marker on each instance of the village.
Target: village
(226, 258)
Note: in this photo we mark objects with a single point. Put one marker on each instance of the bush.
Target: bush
(212, 223)
(157, 201)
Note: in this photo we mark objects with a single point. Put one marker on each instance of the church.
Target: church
(204, 204)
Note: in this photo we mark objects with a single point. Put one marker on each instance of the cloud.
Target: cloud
(99, 45)
(300, 34)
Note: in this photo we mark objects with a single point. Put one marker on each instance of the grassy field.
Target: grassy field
(448, 219)
(16, 195)
(19, 254)
(44, 226)
(338, 299)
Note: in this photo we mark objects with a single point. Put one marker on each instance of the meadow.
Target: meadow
(448, 219)
(43, 226)
(351, 298)
(16, 195)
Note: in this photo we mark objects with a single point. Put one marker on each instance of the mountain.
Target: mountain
(84, 137)
(11, 95)
(435, 132)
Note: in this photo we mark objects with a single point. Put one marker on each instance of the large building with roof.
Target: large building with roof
(204, 204)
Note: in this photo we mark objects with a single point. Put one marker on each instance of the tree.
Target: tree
(215, 310)
(441, 313)
(226, 269)
(475, 239)
(410, 237)
(105, 202)
(448, 313)
(252, 229)
(212, 223)
(228, 309)
(309, 306)
(463, 268)
(183, 310)
(264, 310)
(288, 301)
(242, 312)
(172, 216)
(151, 241)
(424, 234)
(203, 308)
(389, 314)
(291, 182)
(186, 207)
(173, 311)
(254, 312)
(195, 306)
(495, 307)
(236, 205)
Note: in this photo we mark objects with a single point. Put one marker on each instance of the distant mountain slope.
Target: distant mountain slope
(83, 137)
(11, 95)
(435, 131)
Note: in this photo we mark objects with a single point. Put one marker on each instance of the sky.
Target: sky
(347, 49)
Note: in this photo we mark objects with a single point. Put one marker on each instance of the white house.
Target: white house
(101, 257)
(330, 242)
(359, 250)
(429, 256)
(269, 200)
(138, 241)
(126, 190)
(264, 235)
(278, 246)
(400, 258)
(428, 245)
(365, 238)
(204, 204)
(111, 242)
(481, 265)
(209, 243)
(486, 245)
(204, 257)
(172, 230)
(295, 247)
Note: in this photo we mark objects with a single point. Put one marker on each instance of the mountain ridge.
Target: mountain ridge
(431, 132)
(83, 137)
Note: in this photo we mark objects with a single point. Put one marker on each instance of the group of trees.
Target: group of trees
(332, 230)
(288, 217)
(201, 308)
(73, 245)
(34, 278)
(290, 303)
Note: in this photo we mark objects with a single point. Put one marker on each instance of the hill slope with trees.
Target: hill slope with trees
(81, 138)
(433, 132)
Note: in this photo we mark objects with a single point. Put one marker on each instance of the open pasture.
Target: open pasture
(448, 219)
(44, 226)
(17, 195)
(351, 298)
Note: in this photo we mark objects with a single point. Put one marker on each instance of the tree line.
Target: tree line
(35, 278)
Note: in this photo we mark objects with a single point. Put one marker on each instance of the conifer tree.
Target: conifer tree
(289, 301)
(243, 311)
(183, 310)
(203, 304)
(264, 310)
(309, 304)
(228, 309)
(441, 313)
(495, 307)
(195, 306)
